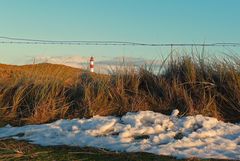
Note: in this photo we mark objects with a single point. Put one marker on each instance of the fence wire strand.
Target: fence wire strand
(13, 40)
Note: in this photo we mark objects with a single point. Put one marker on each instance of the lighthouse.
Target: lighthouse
(91, 64)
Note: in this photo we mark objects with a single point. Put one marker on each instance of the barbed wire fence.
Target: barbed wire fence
(29, 41)
(12, 40)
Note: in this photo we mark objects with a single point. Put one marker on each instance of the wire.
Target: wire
(13, 40)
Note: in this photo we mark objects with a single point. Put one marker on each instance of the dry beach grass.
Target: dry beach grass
(20, 150)
(35, 94)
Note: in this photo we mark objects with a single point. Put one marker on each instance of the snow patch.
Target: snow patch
(144, 131)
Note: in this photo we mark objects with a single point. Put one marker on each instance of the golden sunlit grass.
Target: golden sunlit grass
(35, 94)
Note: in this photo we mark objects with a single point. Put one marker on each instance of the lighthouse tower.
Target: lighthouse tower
(91, 64)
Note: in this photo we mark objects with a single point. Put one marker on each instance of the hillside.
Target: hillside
(45, 92)
(8, 71)
(203, 95)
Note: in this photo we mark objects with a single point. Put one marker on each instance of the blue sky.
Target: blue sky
(149, 21)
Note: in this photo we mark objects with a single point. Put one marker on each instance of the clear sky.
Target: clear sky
(149, 21)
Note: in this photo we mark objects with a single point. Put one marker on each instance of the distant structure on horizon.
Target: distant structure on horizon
(91, 64)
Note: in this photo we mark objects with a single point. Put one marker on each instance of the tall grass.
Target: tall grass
(192, 84)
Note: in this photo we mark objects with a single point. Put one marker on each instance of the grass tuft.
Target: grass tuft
(42, 93)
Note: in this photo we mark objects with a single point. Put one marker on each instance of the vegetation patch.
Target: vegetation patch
(42, 93)
(20, 150)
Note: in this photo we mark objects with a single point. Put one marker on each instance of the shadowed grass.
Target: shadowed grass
(20, 150)
(42, 93)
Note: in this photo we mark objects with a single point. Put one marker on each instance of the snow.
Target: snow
(144, 131)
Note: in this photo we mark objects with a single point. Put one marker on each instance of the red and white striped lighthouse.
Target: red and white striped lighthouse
(91, 64)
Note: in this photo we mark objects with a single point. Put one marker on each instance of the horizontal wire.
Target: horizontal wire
(11, 40)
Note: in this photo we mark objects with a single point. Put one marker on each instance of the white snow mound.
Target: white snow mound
(145, 131)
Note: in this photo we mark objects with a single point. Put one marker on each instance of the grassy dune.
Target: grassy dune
(35, 94)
